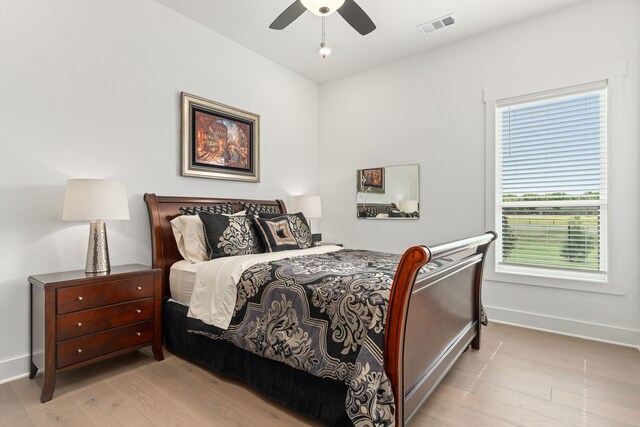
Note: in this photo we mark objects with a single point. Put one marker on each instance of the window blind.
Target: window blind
(552, 179)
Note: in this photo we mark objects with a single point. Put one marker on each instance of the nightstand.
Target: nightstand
(79, 318)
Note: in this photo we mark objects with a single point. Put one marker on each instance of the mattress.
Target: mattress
(182, 279)
(182, 275)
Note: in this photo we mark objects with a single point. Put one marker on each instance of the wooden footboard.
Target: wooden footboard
(432, 319)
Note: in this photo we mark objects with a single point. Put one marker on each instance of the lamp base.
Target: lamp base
(98, 249)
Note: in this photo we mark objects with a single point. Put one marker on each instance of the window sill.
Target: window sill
(596, 284)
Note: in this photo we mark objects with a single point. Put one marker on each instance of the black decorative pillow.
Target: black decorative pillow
(299, 226)
(301, 230)
(221, 208)
(270, 215)
(256, 209)
(229, 235)
(288, 231)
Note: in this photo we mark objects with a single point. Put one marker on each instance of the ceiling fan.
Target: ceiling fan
(348, 9)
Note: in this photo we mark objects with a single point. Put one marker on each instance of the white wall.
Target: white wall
(90, 89)
(429, 109)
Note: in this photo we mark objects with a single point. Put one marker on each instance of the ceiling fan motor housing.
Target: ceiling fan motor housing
(322, 7)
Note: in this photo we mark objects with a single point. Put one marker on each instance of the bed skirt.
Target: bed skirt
(323, 399)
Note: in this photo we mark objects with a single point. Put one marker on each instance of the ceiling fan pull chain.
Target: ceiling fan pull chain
(324, 49)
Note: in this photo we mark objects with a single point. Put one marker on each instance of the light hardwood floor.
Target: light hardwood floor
(519, 377)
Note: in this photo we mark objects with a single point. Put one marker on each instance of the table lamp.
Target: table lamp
(311, 207)
(95, 200)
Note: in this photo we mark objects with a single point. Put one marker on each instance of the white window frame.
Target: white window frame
(613, 74)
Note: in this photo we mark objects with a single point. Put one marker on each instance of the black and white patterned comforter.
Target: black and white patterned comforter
(324, 314)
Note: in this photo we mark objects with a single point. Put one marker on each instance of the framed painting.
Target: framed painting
(371, 180)
(219, 141)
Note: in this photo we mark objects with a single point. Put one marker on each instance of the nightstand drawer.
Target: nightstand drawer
(95, 295)
(90, 346)
(97, 319)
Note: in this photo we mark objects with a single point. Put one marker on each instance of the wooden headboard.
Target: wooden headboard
(162, 209)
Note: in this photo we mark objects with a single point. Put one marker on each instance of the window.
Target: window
(551, 182)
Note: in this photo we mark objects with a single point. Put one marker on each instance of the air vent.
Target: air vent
(437, 24)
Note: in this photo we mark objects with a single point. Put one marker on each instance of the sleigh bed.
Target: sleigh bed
(432, 317)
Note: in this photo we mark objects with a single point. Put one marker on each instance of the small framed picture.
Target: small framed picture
(219, 141)
(371, 180)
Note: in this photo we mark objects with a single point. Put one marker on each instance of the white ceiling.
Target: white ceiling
(247, 23)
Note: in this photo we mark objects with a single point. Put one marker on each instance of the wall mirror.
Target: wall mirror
(388, 192)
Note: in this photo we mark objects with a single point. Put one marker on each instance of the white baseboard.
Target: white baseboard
(14, 369)
(558, 325)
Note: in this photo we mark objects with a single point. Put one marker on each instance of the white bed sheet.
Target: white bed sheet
(182, 279)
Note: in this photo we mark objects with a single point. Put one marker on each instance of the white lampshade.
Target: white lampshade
(409, 206)
(314, 6)
(93, 199)
(310, 206)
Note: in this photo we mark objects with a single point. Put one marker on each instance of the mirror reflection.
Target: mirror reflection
(388, 192)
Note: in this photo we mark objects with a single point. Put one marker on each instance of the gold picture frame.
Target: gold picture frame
(219, 141)
(371, 180)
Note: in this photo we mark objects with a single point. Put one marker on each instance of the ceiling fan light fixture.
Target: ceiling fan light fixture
(324, 50)
(322, 7)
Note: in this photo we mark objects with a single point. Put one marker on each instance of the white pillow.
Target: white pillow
(188, 231)
(189, 234)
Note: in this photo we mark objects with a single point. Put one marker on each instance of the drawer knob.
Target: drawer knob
(138, 333)
(138, 311)
(79, 324)
(79, 350)
(80, 298)
(139, 288)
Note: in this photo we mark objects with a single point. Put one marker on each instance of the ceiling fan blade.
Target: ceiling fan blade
(356, 17)
(289, 15)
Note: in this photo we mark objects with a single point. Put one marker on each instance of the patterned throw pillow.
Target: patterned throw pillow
(221, 208)
(270, 215)
(288, 231)
(229, 235)
(256, 209)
